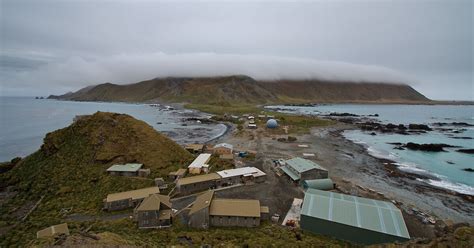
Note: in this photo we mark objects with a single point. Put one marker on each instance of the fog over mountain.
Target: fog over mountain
(130, 68)
(50, 47)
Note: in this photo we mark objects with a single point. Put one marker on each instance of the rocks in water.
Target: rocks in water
(373, 133)
(303, 104)
(468, 169)
(348, 120)
(207, 121)
(395, 143)
(391, 126)
(394, 128)
(457, 124)
(343, 114)
(450, 162)
(419, 127)
(427, 147)
(466, 138)
(468, 151)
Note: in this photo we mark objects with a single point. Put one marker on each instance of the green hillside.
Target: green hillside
(69, 169)
(232, 90)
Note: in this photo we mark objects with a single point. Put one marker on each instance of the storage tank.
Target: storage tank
(272, 123)
(321, 184)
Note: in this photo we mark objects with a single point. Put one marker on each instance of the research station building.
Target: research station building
(128, 199)
(210, 211)
(356, 219)
(60, 229)
(200, 164)
(154, 212)
(241, 175)
(223, 148)
(130, 169)
(189, 185)
(300, 169)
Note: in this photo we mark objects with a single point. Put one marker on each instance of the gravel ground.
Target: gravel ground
(349, 165)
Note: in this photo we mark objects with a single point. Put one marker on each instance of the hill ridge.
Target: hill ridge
(244, 89)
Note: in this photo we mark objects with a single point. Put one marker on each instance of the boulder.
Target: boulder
(426, 147)
(468, 151)
(419, 127)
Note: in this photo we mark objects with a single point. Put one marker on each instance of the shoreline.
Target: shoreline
(394, 167)
(350, 165)
(394, 170)
(410, 190)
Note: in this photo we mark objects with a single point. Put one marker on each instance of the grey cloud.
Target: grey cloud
(429, 40)
(129, 68)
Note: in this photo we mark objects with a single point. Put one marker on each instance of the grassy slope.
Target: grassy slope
(126, 233)
(245, 90)
(69, 169)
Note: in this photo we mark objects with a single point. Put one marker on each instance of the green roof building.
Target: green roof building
(130, 169)
(356, 219)
(300, 169)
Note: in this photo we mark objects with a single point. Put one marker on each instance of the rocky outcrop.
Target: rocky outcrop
(427, 147)
(455, 124)
(419, 127)
(468, 151)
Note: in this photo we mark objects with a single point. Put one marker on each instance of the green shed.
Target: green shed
(321, 184)
(356, 219)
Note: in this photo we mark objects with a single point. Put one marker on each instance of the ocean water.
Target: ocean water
(24, 122)
(446, 166)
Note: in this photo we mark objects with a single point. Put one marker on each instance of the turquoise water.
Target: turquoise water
(25, 121)
(447, 166)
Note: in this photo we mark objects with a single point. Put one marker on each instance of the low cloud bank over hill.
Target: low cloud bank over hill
(72, 73)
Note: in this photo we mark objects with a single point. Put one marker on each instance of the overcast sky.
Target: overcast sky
(50, 47)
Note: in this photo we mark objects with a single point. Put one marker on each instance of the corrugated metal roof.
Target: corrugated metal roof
(200, 160)
(240, 172)
(52, 230)
(290, 173)
(202, 201)
(235, 207)
(194, 146)
(374, 215)
(197, 179)
(133, 194)
(302, 165)
(125, 167)
(152, 202)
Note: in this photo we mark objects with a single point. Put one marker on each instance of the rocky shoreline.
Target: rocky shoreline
(417, 182)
